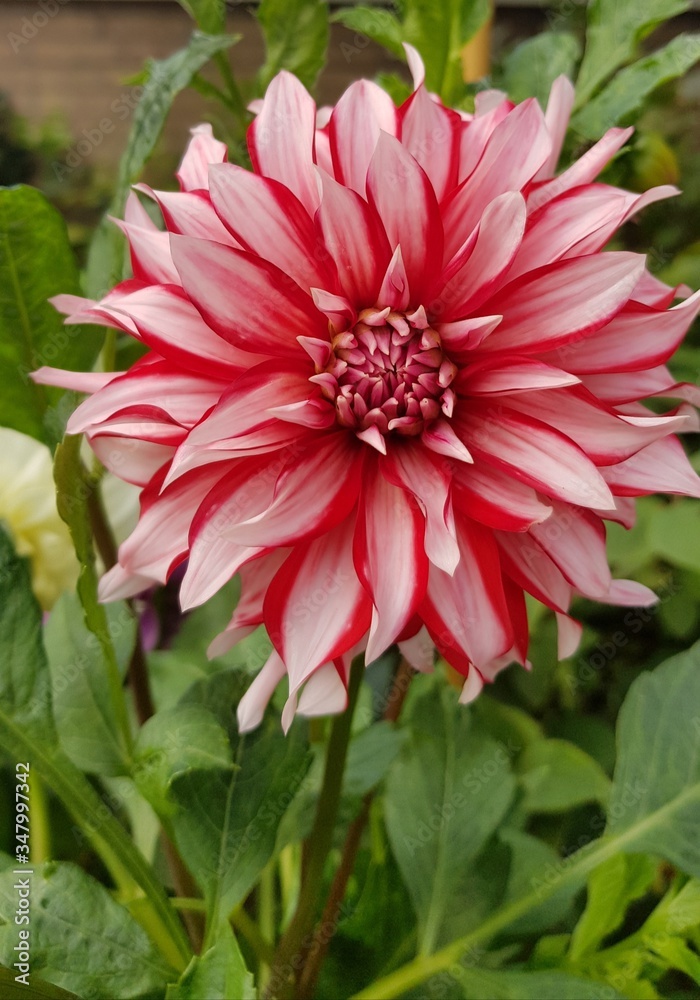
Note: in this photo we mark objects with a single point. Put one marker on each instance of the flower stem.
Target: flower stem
(297, 937)
(331, 911)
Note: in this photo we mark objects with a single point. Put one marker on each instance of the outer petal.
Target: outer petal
(360, 115)
(390, 558)
(312, 494)
(556, 304)
(575, 541)
(255, 577)
(394, 181)
(251, 707)
(266, 311)
(281, 139)
(431, 133)
(316, 608)
(429, 479)
(534, 453)
(583, 171)
(662, 467)
(268, 220)
(202, 151)
(559, 106)
(466, 614)
(497, 499)
(354, 237)
(514, 153)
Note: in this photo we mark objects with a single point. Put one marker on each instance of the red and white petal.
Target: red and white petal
(394, 181)
(496, 499)
(559, 107)
(561, 302)
(255, 577)
(132, 460)
(533, 452)
(498, 237)
(605, 435)
(77, 381)
(360, 115)
(315, 607)
(390, 558)
(574, 539)
(247, 300)
(431, 133)
(314, 492)
(661, 467)
(251, 707)
(512, 375)
(353, 235)
(151, 260)
(514, 152)
(164, 318)
(569, 633)
(324, 693)
(202, 151)
(268, 220)
(466, 614)
(189, 214)
(582, 171)
(630, 594)
(429, 479)
(529, 566)
(638, 337)
(281, 139)
(419, 651)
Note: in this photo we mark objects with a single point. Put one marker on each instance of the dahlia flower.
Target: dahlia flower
(392, 380)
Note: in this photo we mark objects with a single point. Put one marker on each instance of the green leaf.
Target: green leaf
(615, 27)
(36, 262)
(164, 79)
(38, 989)
(674, 534)
(440, 31)
(611, 888)
(209, 15)
(173, 742)
(370, 756)
(445, 796)
(80, 938)
(82, 707)
(226, 819)
(496, 985)
(557, 775)
(219, 973)
(655, 800)
(626, 94)
(531, 862)
(533, 66)
(75, 491)
(380, 25)
(27, 733)
(25, 695)
(296, 38)
(683, 912)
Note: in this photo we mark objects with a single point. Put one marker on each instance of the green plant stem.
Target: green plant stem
(297, 937)
(126, 864)
(260, 944)
(237, 103)
(329, 919)
(266, 918)
(579, 865)
(39, 825)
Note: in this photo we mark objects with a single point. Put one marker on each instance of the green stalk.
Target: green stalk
(298, 934)
(129, 869)
(580, 864)
(40, 828)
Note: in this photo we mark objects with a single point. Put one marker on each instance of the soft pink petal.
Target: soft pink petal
(316, 608)
(390, 558)
(203, 150)
(466, 614)
(394, 181)
(281, 139)
(251, 707)
(266, 312)
(268, 220)
(661, 467)
(431, 133)
(582, 171)
(360, 115)
(559, 107)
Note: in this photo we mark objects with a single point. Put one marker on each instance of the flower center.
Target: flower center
(389, 372)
